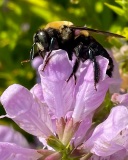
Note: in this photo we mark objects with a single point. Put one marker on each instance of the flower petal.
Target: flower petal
(14, 152)
(38, 92)
(87, 98)
(8, 134)
(111, 135)
(58, 94)
(29, 113)
(36, 62)
(120, 98)
(120, 155)
(81, 134)
(58, 67)
(13, 96)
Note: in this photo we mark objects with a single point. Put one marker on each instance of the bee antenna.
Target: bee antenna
(31, 55)
(32, 52)
(25, 61)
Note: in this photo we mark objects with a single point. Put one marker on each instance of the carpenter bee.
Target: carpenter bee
(75, 40)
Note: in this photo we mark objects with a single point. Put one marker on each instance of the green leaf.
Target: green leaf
(117, 10)
(122, 3)
(125, 32)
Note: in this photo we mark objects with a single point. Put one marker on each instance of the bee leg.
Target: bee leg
(46, 60)
(99, 50)
(53, 46)
(77, 51)
(96, 68)
(75, 67)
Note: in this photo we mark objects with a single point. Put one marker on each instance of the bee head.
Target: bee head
(40, 38)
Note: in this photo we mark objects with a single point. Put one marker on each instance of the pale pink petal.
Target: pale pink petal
(38, 92)
(36, 62)
(81, 134)
(10, 151)
(58, 94)
(120, 98)
(58, 67)
(54, 156)
(111, 135)
(120, 155)
(95, 157)
(8, 134)
(87, 98)
(29, 113)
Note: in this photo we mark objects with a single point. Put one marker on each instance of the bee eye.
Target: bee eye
(40, 37)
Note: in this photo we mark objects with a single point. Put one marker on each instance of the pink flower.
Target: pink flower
(37, 61)
(122, 99)
(12, 151)
(58, 112)
(110, 136)
(8, 134)
(120, 155)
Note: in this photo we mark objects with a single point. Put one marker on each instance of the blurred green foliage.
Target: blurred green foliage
(19, 20)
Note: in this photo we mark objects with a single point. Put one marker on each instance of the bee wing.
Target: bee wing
(98, 31)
